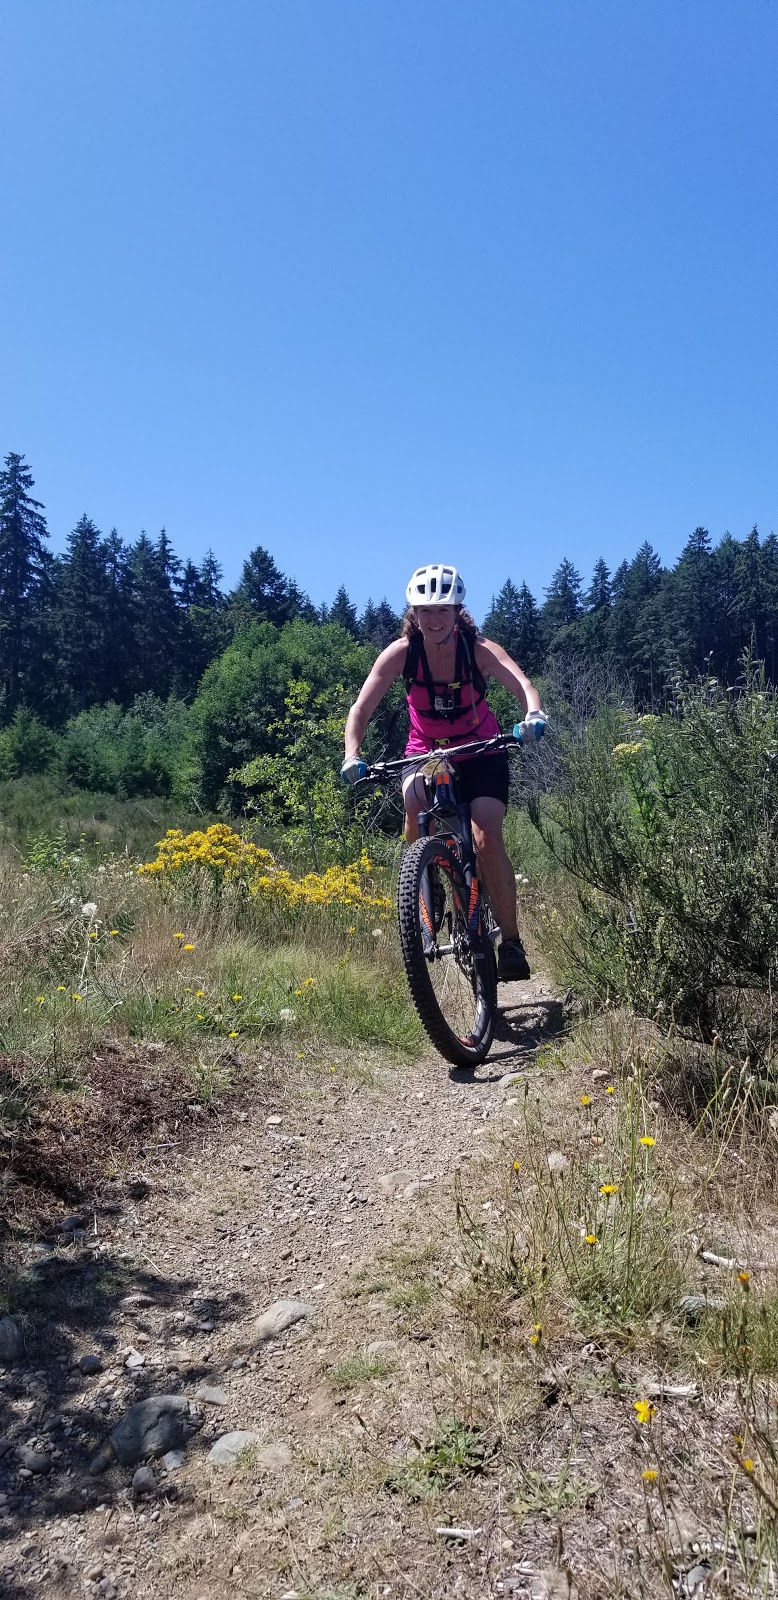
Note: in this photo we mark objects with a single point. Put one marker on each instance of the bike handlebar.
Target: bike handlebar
(498, 741)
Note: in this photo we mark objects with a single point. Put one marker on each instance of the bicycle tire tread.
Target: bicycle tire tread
(418, 857)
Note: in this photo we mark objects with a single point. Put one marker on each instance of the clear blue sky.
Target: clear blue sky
(376, 282)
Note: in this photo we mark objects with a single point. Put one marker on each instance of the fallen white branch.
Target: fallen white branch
(458, 1533)
(671, 1391)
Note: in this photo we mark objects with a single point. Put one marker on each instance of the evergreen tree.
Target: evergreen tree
(344, 613)
(513, 621)
(692, 595)
(22, 569)
(263, 592)
(380, 624)
(598, 597)
(82, 590)
(155, 620)
(563, 603)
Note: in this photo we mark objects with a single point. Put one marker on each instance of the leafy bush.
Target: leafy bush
(670, 826)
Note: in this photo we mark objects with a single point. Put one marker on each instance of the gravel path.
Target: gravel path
(292, 1202)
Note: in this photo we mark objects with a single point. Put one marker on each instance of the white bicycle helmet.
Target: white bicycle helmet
(435, 585)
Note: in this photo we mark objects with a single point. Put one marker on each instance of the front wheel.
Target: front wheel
(451, 978)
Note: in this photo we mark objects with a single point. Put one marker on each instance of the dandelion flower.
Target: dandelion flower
(61, 988)
(609, 1089)
(39, 999)
(199, 994)
(517, 1166)
(114, 933)
(649, 1475)
(534, 1338)
(351, 931)
(608, 1188)
(188, 947)
(200, 1017)
(590, 1238)
(586, 1099)
(300, 1056)
(77, 997)
(309, 983)
(233, 1034)
(647, 1140)
(237, 997)
(644, 1411)
(179, 935)
(744, 1278)
(748, 1465)
(298, 991)
(93, 935)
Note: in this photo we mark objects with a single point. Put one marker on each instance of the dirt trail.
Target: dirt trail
(342, 1167)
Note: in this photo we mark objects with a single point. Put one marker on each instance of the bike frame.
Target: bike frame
(443, 809)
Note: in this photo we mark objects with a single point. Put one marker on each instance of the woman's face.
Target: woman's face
(437, 623)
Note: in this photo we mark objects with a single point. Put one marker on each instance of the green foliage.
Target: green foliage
(27, 746)
(239, 711)
(298, 787)
(670, 826)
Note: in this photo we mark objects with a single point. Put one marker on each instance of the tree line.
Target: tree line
(125, 668)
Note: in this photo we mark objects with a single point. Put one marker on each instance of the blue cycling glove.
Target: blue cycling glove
(531, 729)
(352, 771)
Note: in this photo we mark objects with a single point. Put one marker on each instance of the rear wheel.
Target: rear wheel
(451, 978)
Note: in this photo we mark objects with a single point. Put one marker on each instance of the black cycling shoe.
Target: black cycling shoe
(512, 963)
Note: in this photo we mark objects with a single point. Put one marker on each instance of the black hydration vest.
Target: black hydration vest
(446, 706)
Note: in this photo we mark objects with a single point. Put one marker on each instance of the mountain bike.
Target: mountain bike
(447, 928)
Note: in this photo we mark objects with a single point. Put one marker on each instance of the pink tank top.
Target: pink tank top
(471, 720)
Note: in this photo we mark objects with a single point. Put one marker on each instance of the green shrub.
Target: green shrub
(670, 827)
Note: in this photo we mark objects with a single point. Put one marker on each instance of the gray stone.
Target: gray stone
(5, 1446)
(33, 1460)
(412, 1190)
(509, 1078)
(693, 1307)
(282, 1314)
(382, 1347)
(71, 1224)
(391, 1183)
(143, 1481)
(102, 1460)
(160, 1422)
(172, 1460)
(89, 1365)
(273, 1457)
(225, 1452)
(211, 1396)
(557, 1162)
(11, 1342)
(135, 1361)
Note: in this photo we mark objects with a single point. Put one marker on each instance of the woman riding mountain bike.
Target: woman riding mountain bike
(444, 664)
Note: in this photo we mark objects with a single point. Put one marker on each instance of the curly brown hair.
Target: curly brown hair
(410, 626)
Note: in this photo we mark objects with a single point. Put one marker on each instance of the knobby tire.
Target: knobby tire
(464, 1036)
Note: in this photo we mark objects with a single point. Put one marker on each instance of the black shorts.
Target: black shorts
(482, 777)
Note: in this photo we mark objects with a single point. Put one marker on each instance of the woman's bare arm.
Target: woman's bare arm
(493, 661)
(385, 671)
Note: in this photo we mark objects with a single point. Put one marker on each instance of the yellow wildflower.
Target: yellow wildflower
(237, 997)
(644, 1410)
(200, 1017)
(61, 988)
(748, 1465)
(179, 935)
(114, 933)
(188, 947)
(40, 999)
(233, 1034)
(586, 1099)
(517, 1166)
(77, 997)
(744, 1278)
(93, 935)
(647, 1140)
(590, 1238)
(609, 1089)
(608, 1188)
(649, 1475)
(534, 1338)
(199, 994)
